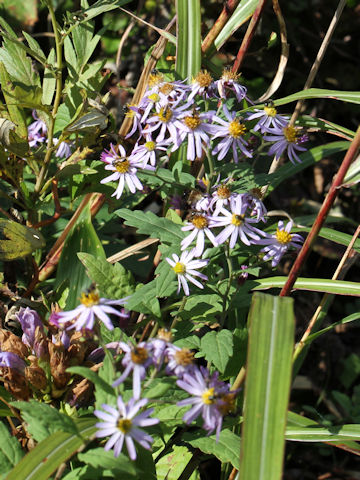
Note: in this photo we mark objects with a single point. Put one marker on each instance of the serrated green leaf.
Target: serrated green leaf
(82, 238)
(34, 46)
(43, 420)
(227, 449)
(102, 460)
(144, 300)
(10, 450)
(268, 377)
(218, 348)
(202, 307)
(49, 454)
(339, 287)
(153, 226)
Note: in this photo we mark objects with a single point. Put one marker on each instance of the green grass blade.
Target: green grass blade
(268, 378)
(351, 97)
(339, 287)
(188, 50)
(49, 454)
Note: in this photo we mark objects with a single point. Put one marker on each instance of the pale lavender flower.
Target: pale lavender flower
(236, 224)
(185, 268)
(286, 139)
(195, 127)
(135, 113)
(36, 131)
(211, 398)
(200, 224)
(229, 82)
(84, 315)
(279, 242)
(268, 118)
(122, 424)
(63, 150)
(159, 346)
(29, 320)
(256, 206)
(220, 197)
(137, 359)
(124, 170)
(180, 361)
(146, 152)
(166, 120)
(172, 91)
(11, 360)
(202, 84)
(232, 132)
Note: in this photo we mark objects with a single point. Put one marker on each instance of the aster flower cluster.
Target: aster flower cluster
(173, 113)
(37, 135)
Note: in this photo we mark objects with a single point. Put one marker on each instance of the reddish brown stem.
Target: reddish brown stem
(224, 16)
(324, 210)
(34, 280)
(248, 36)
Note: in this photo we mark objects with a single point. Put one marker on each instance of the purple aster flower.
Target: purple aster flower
(63, 150)
(92, 307)
(180, 361)
(232, 131)
(170, 91)
(229, 82)
(29, 321)
(146, 152)
(220, 197)
(185, 268)
(124, 170)
(286, 139)
(268, 118)
(195, 127)
(11, 360)
(202, 84)
(134, 112)
(279, 242)
(211, 398)
(122, 423)
(159, 346)
(136, 359)
(166, 120)
(256, 207)
(200, 224)
(236, 224)
(36, 131)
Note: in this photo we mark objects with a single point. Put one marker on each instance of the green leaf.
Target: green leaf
(202, 307)
(153, 226)
(113, 281)
(339, 287)
(34, 46)
(351, 97)
(218, 348)
(100, 7)
(144, 300)
(16, 114)
(349, 318)
(43, 420)
(10, 450)
(82, 238)
(267, 388)
(104, 461)
(106, 375)
(170, 466)
(242, 13)
(49, 80)
(19, 241)
(333, 235)
(49, 454)
(166, 283)
(336, 433)
(188, 47)
(227, 449)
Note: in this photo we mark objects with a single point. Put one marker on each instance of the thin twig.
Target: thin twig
(224, 16)
(321, 217)
(319, 57)
(248, 36)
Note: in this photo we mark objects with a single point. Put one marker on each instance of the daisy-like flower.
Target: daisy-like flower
(84, 315)
(195, 127)
(122, 424)
(169, 91)
(136, 359)
(166, 120)
(268, 118)
(220, 197)
(232, 132)
(211, 398)
(286, 139)
(180, 361)
(202, 84)
(279, 242)
(255, 204)
(200, 224)
(236, 224)
(229, 81)
(146, 152)
(185, 268)
(124, 170)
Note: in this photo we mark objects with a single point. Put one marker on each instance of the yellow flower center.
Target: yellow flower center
(124, 425)
(130, 113)
(165, 114)
(166, 88)
(150, 146)
(236, 129)
(199, 221)
(237, 220)
(290, 134)
(223, 192)
(155, 79)
(283, 237)
(89, 299)
(203, 78)
(154, 97)
(229, 75)
(122, 166)
(164, 334)
(270, 111)
(184, 357)
(179, 268)
(208, 396)
(139, 355)
(192, 122)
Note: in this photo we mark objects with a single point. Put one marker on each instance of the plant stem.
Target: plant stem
(181, 308)
(224, 16)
